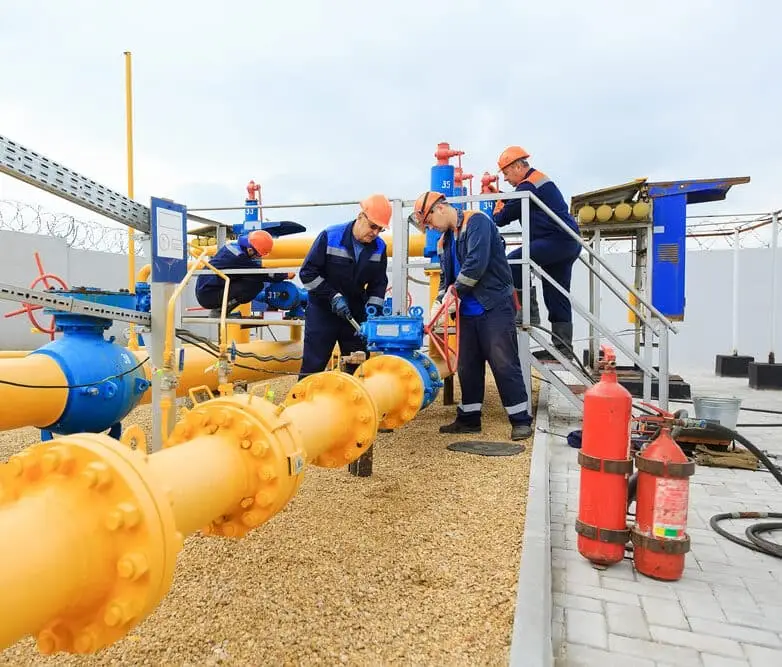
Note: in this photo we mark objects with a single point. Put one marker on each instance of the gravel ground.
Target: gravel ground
(416, 564)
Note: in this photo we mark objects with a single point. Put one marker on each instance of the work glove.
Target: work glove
(498, 206)
(436, 306)
(340, 307)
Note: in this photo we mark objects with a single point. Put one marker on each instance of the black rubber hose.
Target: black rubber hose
(753, 541)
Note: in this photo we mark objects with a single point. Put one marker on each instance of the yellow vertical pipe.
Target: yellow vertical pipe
(235, 332)
(133, 342)
(210, 462)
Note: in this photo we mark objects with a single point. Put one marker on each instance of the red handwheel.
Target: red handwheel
(29, 308)
(449, 353)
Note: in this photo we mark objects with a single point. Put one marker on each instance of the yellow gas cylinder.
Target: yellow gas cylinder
(623, 211)
(604, 213)
(641, 210)
(586, 215)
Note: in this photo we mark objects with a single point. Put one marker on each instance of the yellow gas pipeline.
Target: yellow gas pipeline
(94, 527)
(41, 407)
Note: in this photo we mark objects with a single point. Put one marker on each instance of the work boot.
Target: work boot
(520, 431)
(232, 303)
(562, 340)
(464, 423)
(534, 312)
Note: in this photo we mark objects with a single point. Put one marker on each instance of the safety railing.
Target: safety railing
(654, 322)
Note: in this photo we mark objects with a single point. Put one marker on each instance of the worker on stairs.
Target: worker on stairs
(244, 253)
(344, 271)
(551, 247)
(472, 258)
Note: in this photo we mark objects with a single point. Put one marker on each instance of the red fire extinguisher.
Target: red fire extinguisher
(659, 535)
(605, 463)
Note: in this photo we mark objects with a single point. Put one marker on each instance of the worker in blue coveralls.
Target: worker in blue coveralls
(244, 253)
(343, 273)
(472, 258)
(551, 247)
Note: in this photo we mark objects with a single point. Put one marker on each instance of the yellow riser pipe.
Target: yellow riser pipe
(13, 354)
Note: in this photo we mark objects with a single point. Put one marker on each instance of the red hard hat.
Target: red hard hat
(378, 209)
(510, 155)
(261, 241)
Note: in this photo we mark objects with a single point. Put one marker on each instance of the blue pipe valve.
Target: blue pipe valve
(403, 336)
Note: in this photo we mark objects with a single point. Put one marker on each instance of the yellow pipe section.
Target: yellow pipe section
(97, 526)
(13, 354)
(42, 407)
(31, 407)
(198, 364)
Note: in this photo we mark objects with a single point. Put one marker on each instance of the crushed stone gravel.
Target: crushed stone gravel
(417, 563)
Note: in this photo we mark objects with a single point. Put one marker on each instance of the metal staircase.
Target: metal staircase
(654, 326)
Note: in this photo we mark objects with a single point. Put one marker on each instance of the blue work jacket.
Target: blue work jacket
(331, 267)
(541, 225)
(484, 270)
(242, 286)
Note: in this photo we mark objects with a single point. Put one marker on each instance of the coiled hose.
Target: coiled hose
(753, 532)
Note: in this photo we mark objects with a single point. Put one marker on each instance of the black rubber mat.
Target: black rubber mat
(483, 448)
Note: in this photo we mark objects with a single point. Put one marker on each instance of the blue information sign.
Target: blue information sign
(168, 222)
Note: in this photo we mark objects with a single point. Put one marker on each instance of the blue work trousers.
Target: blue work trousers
(241, 289)
(322, 331)
(491, 337)
(556, 257)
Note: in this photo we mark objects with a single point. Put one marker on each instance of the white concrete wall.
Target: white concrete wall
(705, 332)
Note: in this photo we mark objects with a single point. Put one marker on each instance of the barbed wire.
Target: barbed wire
(80, 234)
(707, 232)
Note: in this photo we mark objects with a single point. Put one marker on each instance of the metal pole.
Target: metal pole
(662, 378)
(132, 340)
(524, 354)
(774, 244)
(399, 259)
(594, 293)
(735, 332)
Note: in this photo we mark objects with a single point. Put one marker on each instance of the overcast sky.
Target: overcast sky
(328, 101)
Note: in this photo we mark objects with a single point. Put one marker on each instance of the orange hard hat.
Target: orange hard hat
(510, 155)
(423, 206)
(378, 209)
(261, 241)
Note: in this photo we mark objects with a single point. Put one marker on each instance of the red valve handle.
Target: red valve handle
(449, 354)
(29, 308)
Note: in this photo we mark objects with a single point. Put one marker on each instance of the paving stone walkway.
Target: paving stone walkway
(726, 611)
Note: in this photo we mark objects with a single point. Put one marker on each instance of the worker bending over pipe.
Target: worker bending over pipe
(244, 253)
(92, 528)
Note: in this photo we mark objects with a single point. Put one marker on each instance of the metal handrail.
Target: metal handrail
(594, 321)
(463, 199)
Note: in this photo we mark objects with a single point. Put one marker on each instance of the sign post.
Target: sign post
(168, 224)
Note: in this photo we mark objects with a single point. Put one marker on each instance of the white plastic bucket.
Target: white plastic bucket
(722, 409)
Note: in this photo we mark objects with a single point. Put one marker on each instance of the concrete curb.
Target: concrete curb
(531, 644)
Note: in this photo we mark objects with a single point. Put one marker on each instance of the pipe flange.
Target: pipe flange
(124, 517)
(406, 374)
(361, 417)
(270, 450)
